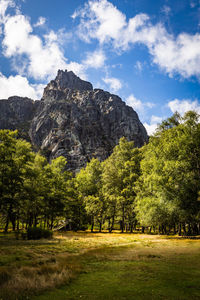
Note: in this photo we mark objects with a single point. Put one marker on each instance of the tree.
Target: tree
(89, 184)
(55, 177)
(120, 172)
(15, 155)
(170, 182)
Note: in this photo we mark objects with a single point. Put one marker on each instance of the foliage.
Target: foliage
(170, 182)
(120, 172)
(157, 186)
(36, 233)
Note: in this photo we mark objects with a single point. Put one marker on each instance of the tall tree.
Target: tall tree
(170, 182)
(89, 184)
(120, 172)
(15, 155)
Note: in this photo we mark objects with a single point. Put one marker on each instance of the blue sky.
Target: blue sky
(147, 52)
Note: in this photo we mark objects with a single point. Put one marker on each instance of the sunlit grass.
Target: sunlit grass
(121, 264)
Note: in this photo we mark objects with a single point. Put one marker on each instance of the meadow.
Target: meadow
(100, 266)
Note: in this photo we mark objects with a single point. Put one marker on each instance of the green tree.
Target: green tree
(120, 172)
(15, 156)
(89, 184)
(169, 185)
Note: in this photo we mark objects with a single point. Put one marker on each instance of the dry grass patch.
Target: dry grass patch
(28, 267)
(27, 280)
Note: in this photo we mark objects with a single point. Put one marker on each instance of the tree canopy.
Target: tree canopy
(156, 186)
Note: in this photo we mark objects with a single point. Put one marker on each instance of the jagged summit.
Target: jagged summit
(68, 80)
(73, 120)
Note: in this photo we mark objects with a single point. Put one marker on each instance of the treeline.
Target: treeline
(156, 187)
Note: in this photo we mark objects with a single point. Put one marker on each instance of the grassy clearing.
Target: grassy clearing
(100, 266)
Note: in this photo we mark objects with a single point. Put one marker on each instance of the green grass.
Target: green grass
(101, 266)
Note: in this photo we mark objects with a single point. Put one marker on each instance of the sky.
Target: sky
(147, 52)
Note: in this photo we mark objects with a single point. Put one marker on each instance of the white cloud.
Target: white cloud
(19, 86)
(114, 83)
(43, 59)
(180, 55)
(77, 68)
(101, 20)
(182, 106)
(95, 59)
(39, 57)
(151, 128)
(4, 5)
(137, 104)
(41, 21)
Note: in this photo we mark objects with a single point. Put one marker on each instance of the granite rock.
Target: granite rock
(73, 120)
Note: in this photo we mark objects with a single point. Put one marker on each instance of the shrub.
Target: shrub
(4, 276)
(24, 235)
(36, 233)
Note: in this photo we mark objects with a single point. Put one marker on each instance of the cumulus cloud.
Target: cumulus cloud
(43, 59)
(78, 68)
(113, 83)
(39, 57)
(151, 128)
(137, 104)
(102, 21)
(19, 86)
(182, 106)
(4, 5)
(95, 59)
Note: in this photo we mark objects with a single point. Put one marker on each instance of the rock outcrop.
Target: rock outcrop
(73, 120)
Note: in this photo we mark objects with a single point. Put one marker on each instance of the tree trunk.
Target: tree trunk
(112, 224)
(13, 221)
(92, 224)
(122, 221)
(7, 223)
(100, 226)
(109, 224)
(121, 226)
(184, 229)
(35, 220)
(52, 220)
(174, 228)
(179, 229)
(189, 229)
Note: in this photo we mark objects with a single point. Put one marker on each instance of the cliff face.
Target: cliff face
(17, 113)
(73, 120)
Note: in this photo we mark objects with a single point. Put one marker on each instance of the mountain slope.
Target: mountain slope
(73, 120)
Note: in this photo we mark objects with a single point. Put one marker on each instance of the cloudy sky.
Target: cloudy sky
(147, 52)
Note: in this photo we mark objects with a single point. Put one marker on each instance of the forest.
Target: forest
(155, 188)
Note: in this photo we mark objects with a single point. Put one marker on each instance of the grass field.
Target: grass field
(100, 266)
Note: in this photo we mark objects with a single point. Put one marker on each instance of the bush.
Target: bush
(4, 276)
(36, 233)
(24, 235)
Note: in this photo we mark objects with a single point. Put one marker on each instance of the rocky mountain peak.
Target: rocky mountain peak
(73, 120)
(68, 80)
